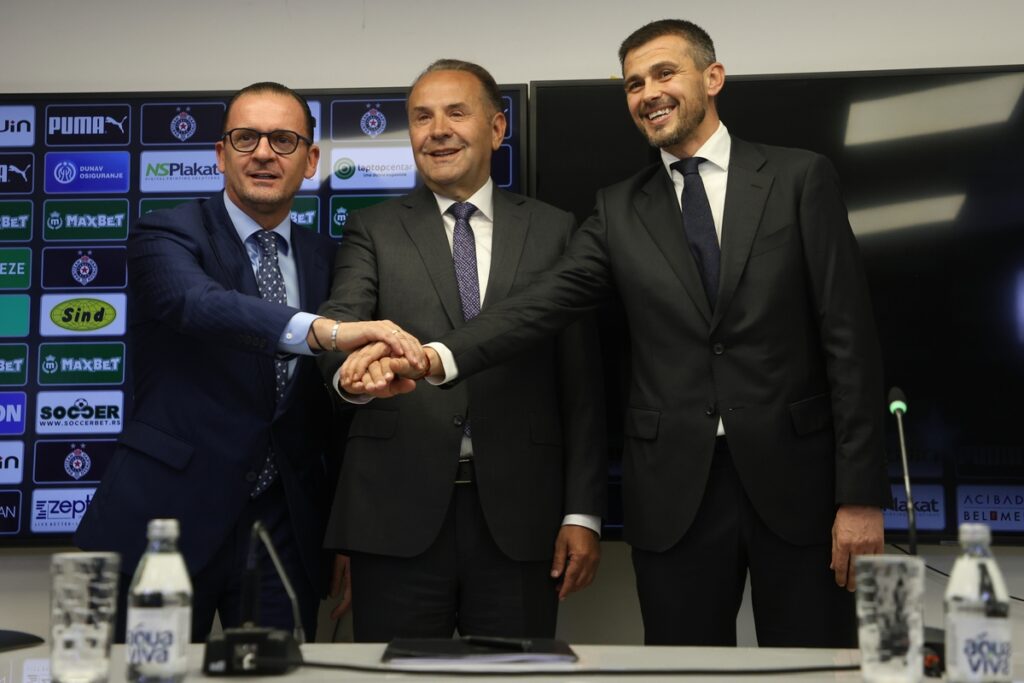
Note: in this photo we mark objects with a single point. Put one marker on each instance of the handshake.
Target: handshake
(384, 360)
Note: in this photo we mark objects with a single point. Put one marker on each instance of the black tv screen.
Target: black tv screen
(932, 166)
(76, 171)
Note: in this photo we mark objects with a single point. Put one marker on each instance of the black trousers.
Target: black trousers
(691, 593)
(461, 582)
(217, 588)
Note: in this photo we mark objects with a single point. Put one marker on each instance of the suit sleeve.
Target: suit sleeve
(578, 283)
(170, 283)
(354, 287)
(581, 387)
(841, 300)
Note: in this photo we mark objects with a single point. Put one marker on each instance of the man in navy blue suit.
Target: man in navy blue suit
(230, 414)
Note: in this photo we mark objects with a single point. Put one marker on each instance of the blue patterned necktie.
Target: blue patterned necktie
(271, 285)
(464, 256)
(699, 226)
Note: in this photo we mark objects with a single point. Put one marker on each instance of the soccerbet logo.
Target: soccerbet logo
(16, 176)
(79, 412)
(98, 172)
(180, 172)
(59, 511)
(100, 314)
(12, 413)
(107, 124)
(17, 126)
(12, 462)
(85, 219)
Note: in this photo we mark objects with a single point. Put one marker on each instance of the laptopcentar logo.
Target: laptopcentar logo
(344, 168)
(79, 412)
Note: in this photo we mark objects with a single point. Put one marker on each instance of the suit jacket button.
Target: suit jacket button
(718, 349)
(709, 409)
(251, 477)
(458, 420)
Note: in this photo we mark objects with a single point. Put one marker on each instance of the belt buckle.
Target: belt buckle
(464, 471)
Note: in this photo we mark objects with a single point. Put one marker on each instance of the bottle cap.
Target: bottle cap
(166, 529)
(975, 533)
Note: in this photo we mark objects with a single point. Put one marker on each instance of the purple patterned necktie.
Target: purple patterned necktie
(700, 226)
(464, 255)
(271, 284)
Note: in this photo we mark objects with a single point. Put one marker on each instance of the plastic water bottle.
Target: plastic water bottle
(159, 610)
(977, 614)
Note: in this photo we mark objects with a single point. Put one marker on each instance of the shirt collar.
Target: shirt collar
(246, 227)
(716, 150)
(482, 199)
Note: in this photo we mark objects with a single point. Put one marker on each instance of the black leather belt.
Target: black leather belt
(464, 473)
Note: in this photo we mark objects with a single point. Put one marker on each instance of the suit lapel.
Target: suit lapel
(228, 248)
(659, 213)
(310, 267)
(511, 223)
(745, 196)
(422, 221)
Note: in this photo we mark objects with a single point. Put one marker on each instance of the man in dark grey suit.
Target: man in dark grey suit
(754, 414)
(473, 508)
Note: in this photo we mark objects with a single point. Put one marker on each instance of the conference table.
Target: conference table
(596, 663)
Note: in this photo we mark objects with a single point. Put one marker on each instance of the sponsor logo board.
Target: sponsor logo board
(88, 124)
(12, 462)
(501, 166)
(17, 125)
(180, 171)
(15, 220)
(74, 461)
(306, 212)
(1000, 507)
(14, 315)
(85, 219)
(79, 412)
(81, 363)
(87, 172)
(10, 516)
(13, 365)
(58, 511)
(161, 203)
(373, 167)
(343, 205)
(70, 315)
(377, 120)
(94, 267)
(929, 507)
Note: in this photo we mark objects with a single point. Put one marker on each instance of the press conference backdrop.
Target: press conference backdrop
(932, 166)
(76, 172)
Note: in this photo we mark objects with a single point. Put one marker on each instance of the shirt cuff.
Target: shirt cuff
(592, 522)
(355, 399)
(451, 370)
(293, 339)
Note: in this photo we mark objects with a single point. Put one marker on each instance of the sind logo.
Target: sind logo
(79, 412)
(102, 314)
(59, 511)
(179, 172)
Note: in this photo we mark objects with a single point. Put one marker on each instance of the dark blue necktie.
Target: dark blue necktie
(464, 256)
(700, 226)
(271, 285)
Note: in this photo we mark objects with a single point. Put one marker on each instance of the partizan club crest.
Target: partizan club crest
(77, 463)
(84, 269)
(183, 126)
(373, 122)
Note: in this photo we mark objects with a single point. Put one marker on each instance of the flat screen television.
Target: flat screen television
(76, 171)
(932, 166)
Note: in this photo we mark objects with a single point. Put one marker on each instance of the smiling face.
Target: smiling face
(453, 129)
(262, 182)
(669, 97)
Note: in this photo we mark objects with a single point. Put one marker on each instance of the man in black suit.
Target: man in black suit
(754, 414)
(229, 425)
(473, 508)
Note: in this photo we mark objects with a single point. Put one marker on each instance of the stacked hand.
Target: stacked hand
(377, 371)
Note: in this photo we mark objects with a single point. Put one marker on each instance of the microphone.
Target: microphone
(898, 407)
(251, 650)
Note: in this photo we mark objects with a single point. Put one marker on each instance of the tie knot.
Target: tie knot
(688, 166)
(462, 210)
(267, 239)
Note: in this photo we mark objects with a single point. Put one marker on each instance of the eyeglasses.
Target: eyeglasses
(281, 141)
